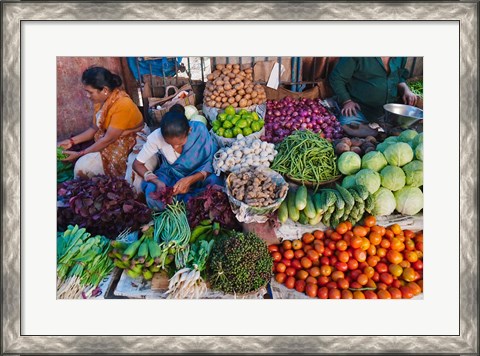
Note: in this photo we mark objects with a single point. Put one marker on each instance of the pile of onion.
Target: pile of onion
(287, 115)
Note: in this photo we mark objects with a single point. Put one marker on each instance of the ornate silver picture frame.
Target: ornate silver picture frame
(13, 13)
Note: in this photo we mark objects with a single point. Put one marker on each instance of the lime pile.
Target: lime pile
(229, 123)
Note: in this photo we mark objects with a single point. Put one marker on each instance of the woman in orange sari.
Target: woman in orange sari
(117, 128)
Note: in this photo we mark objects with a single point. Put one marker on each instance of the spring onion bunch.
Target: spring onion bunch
(82, 263)
(188, 282)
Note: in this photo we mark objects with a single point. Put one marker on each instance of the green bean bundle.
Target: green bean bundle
(172, 231)
(306, 156)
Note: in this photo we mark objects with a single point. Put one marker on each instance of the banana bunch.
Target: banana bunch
(206, 230)
(140, 258)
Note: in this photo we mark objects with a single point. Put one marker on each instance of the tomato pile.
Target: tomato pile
(352, 262)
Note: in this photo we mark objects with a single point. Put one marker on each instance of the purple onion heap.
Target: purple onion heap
(287, 115)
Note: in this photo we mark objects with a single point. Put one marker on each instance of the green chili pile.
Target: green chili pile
(306, 156)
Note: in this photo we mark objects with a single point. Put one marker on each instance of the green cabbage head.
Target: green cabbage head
(381, 147)
(407, 136)
(417, 140)
(391, 139)
(349, 182)
(384, 202)
(398, 154)
(374, 160)
(419, 152)
(393, 178)
(409, 200)
(369, 179)
(413, 173)
(349, 163)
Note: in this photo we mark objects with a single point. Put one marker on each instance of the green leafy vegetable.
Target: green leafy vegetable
(64, 169)
(82, 263)
(416, 87)
(60, 154)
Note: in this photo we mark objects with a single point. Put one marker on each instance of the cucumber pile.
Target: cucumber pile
(329, 206)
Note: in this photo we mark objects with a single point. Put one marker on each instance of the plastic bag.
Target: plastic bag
(249, 214)
(211, 113)
(223, 141)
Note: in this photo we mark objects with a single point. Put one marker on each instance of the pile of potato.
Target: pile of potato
(229, 85)
(255, 188)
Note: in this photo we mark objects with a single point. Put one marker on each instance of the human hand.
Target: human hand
(182, 186)
(409, 98)
(65, 144)
(72, 156)
(159, 184)
(350, 108)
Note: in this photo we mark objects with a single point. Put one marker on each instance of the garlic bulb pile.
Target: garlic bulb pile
(244, 153)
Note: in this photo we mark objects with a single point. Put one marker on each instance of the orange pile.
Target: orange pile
(362, 262)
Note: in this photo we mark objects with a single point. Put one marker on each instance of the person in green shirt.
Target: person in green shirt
(364, 84)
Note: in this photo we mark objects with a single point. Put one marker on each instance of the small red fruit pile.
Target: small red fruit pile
(352, 262)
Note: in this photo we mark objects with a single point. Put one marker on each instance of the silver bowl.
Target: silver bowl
(402, 115)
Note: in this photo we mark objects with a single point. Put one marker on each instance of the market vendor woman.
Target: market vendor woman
(187, 150)
(364, 84)
(117, 127)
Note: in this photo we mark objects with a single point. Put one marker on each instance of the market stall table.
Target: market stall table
(138, 288)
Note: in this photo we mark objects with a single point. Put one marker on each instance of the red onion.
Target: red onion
(286, 115)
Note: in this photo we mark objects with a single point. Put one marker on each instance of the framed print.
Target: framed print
(36, 34)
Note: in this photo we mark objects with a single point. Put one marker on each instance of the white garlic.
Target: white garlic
(256, 144)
